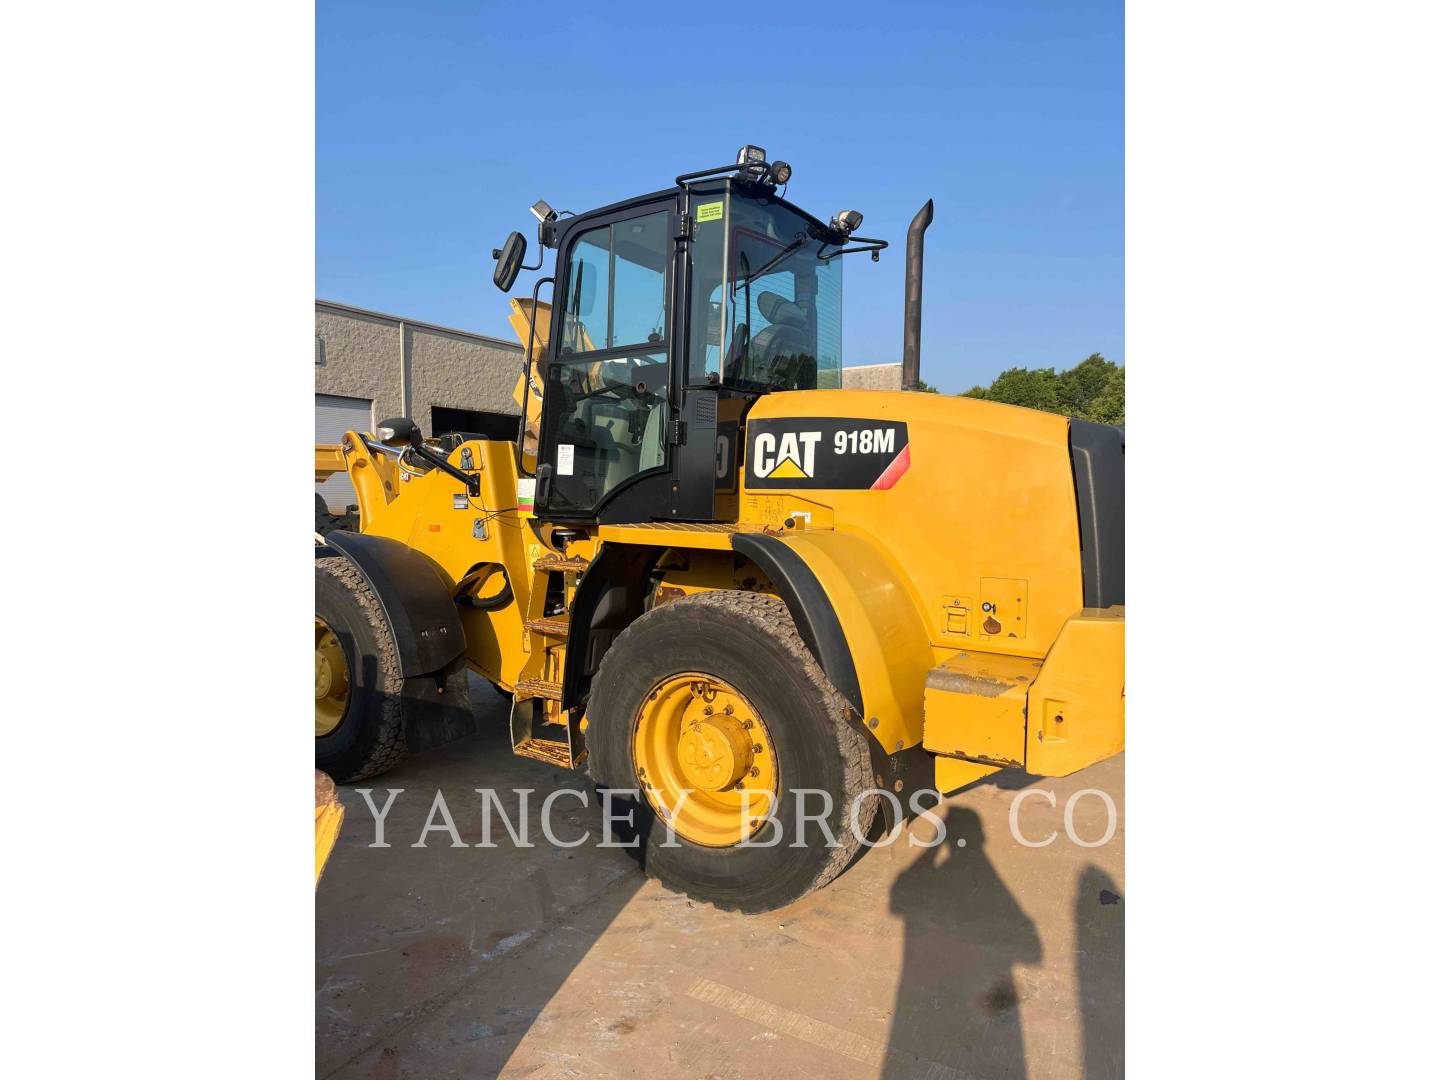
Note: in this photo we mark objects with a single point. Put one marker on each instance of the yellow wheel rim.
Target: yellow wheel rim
(332, 680)
(696, 732)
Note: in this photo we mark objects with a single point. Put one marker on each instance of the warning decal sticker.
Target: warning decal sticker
(712, 211)
(833, 453)
(525, 495)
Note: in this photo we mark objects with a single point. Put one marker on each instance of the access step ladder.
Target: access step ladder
(539, 727)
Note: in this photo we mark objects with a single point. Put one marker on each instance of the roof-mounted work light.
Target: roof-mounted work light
(753, 158)
(846, 221)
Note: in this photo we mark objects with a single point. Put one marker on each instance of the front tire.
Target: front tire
(359, 712)
(743, 650)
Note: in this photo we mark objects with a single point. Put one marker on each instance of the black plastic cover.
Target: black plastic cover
(1097, 457)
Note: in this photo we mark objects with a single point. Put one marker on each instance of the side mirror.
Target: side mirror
(508, 260)
(401, 431)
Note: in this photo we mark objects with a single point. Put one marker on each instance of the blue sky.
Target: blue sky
(438, 124)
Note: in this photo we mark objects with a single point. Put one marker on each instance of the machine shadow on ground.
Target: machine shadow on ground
(414, 996)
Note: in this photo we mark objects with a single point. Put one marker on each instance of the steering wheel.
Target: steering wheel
(623, 390)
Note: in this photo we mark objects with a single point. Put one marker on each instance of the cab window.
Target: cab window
(615, 294)
(609, 388)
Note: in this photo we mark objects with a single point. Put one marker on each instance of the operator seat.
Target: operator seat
(782, 350)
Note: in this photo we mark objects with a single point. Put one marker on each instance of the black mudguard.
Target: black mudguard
(429, 637)
(811, 609)
(414, 595)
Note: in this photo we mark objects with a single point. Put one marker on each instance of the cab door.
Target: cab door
(605, 423)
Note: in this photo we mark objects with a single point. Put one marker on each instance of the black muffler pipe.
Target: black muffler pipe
(914, 283)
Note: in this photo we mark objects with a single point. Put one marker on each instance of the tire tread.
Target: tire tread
(387, 747)
(770, 618)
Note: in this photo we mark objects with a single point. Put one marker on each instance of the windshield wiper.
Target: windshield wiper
(785, 253)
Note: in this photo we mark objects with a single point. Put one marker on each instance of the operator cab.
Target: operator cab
(672, 313)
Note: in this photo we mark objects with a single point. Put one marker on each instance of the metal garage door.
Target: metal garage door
(333, 417)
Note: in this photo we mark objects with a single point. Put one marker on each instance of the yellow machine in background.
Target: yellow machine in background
(714, 582)
(328, 816)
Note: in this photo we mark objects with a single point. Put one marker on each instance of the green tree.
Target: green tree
(1093, 389)
(1109, 405)
(1082, 384)
(1033, 388)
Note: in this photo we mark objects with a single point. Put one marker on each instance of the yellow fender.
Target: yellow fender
(853, 610)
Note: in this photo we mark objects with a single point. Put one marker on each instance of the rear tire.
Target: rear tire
(750, 642)
(370, 737)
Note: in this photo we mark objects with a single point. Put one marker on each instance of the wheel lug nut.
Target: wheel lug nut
(754, 772)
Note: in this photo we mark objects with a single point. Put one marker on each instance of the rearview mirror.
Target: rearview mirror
(401, 431)
(508, 260)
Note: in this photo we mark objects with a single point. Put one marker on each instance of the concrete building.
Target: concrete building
(370, 366)
(871, 377)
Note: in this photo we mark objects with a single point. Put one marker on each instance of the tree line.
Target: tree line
(1093, 389)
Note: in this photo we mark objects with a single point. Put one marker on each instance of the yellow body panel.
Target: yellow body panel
(328, 461)
(882, 626)
(1052, 718)
(424, 515)
(670, 534)
(952, 773)
(975, 707)
(1077, 705)
(988, 502)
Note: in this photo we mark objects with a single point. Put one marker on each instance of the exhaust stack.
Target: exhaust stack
(914, 282)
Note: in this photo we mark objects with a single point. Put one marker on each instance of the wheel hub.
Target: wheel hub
(705, 759)
(323, 677)
(714, 752)
(332, 680)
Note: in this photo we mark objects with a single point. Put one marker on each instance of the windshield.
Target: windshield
(768, 304)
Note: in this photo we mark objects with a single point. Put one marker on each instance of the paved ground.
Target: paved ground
(990, 960)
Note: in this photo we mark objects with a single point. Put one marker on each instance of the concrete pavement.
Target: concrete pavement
(987, 960)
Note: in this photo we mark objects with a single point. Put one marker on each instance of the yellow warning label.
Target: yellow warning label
(710, 211)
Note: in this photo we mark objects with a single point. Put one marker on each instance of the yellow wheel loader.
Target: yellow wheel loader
(769, 609)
